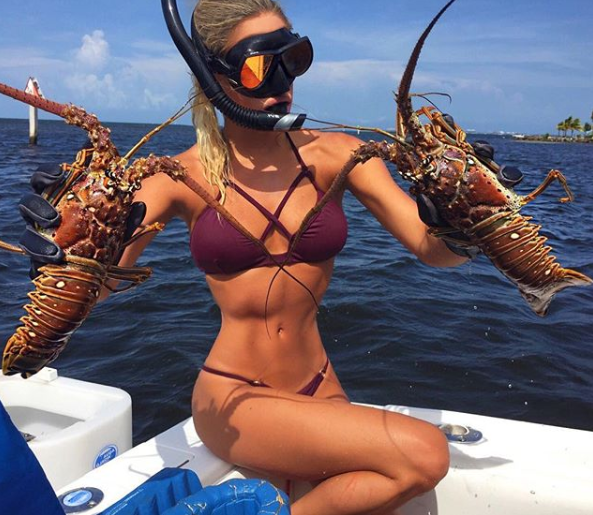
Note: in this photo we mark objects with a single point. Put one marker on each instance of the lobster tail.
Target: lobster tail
(539, 301)
(517, 249)
(32, 100)
(62, 299)
(406, 115)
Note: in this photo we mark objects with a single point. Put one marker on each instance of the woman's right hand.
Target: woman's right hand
(37, 211)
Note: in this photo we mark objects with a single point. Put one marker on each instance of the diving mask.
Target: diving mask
(265, 65)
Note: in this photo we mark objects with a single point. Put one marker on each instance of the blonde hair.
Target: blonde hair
(214, 21)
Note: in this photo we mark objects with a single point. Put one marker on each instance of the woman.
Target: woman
(268, 398)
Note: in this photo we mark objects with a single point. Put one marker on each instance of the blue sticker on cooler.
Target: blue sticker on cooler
(106, 454)
(77, 498)
(80, 500)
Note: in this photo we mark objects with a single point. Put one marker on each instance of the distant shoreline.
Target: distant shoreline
(546, 138)
(528, 138)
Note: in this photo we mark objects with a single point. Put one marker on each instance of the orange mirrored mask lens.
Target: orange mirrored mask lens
(255, 69)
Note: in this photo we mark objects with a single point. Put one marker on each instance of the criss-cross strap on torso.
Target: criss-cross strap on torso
(217, 247)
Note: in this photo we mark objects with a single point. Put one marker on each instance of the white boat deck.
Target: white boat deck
(517, 468)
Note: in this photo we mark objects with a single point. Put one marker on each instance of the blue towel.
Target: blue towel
(24, 488)
(235, 497)
(158, 493)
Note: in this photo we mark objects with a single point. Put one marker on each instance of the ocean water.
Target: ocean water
(396, 330)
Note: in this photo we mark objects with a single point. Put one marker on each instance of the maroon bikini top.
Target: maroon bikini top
(218, 248)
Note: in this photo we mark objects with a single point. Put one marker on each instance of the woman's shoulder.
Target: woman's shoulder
(170, 198)
(190, 159)
(330, 144)
(328, 152)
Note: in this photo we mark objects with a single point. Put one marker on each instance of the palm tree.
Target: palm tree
(575, 125)
(561, 127)
(568, 124)
(587, 127)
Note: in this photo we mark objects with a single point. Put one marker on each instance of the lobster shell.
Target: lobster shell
(469, 196)
(94, 202)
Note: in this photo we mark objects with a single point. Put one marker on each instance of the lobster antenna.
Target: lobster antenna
(387, 134)
(46, 105)
(425, 97)
(183, 110)
(406, 82)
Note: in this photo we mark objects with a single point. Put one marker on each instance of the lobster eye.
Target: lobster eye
(510, 176)
(483, 149)
(449, 119)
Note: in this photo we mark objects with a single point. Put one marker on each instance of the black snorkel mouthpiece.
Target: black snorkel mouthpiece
(195, 55)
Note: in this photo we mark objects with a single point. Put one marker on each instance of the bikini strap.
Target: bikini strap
(305, 169)
(273, 218)
(297, 154)
(238, 377)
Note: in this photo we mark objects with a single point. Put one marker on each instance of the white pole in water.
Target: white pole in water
(32, 125)
(33, 89)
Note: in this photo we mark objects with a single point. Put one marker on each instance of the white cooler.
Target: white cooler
(71, 426)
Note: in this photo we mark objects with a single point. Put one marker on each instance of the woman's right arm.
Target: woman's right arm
(164, 201)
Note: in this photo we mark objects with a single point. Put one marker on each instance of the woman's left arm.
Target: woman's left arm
(372, 184)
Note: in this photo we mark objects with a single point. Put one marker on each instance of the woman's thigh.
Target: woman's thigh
(310, 438)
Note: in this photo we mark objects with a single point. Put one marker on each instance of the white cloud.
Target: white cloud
(94, 52)
(151, 45)
(31, 59)
(103, 90)
(156, 100)
(352, 74)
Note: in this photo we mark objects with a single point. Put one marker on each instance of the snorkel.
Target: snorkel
(194, 53)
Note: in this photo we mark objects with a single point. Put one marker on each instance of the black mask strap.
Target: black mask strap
(195, 55)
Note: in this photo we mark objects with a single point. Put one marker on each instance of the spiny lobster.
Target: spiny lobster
(465, 188)
(94, 202)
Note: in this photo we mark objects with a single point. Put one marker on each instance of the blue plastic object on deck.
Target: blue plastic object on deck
(235, 497)
(24, 488)
(159, 493)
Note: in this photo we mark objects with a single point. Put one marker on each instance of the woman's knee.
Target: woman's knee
(432, 464)
(426, 462)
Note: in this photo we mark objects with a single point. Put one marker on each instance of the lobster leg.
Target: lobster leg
(75, 170)
(445, 233)
(145, 229)
(133, 275)
(11, 248)
(552, 175)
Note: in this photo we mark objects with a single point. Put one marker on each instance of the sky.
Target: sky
(509, 65)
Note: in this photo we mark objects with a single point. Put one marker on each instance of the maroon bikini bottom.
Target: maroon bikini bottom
(309, 389)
